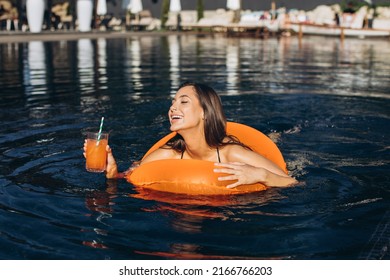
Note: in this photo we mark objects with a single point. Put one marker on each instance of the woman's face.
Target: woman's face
(185, 111)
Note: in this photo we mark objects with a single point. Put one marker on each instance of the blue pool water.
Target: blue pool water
(325, 102)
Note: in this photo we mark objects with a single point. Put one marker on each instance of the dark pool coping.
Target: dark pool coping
(19, 36)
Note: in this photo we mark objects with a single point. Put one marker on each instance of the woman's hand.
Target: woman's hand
(247, 174)
(243, 173)
(111, 168)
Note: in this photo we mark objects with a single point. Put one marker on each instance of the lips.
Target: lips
(176, 117)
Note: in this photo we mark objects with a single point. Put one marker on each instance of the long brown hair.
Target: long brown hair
(214, 119)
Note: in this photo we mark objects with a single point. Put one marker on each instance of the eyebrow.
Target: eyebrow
(181, 96)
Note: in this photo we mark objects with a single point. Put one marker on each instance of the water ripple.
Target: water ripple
(325, 103)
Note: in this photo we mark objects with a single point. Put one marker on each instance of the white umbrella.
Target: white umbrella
(233, 4)
(135, 6)
(101, 8)
(175, 6)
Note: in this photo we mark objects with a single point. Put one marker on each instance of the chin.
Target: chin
(173, 128)
(176, 126)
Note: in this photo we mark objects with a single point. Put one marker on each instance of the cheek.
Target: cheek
(197, 114)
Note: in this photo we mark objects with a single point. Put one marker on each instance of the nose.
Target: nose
(173, 108)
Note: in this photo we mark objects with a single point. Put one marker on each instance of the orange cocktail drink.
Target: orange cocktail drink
(96, 153)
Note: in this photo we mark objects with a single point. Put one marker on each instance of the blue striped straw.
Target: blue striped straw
(100, 131)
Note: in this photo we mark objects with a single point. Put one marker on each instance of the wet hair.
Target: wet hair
(214, 120)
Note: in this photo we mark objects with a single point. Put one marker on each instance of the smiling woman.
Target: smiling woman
(197, 118)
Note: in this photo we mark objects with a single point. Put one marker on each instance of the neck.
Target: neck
(196, 146)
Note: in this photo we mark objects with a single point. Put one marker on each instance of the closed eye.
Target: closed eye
(183, 99)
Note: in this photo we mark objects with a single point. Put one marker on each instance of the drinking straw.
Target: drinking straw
(100, 131)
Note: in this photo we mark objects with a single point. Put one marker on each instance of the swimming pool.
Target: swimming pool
(325, 102)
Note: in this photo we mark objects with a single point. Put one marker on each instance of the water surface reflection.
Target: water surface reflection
(324, 101)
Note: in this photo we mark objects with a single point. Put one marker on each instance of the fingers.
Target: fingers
(233, 165)
(229, 168)
(228, 178)
(225, 170)
(232, 186)
(235, 169)
(232, 177)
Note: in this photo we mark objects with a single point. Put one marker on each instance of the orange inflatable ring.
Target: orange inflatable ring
(196, 177)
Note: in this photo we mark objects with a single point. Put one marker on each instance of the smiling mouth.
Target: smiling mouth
(176, 117)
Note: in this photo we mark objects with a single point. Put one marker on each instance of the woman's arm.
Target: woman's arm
(248, 167)
(112, 169)
(161, 153)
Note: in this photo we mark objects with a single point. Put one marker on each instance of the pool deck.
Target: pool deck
(18, 36)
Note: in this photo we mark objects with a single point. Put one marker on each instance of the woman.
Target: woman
(196, 115)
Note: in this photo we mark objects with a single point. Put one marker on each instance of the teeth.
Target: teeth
(176, 117)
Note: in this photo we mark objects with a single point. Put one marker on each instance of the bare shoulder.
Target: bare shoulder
(237, 153)
(161, 153)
